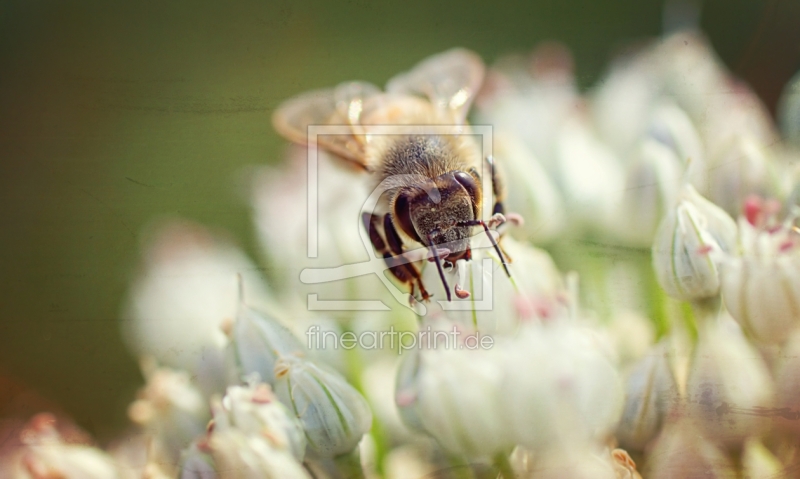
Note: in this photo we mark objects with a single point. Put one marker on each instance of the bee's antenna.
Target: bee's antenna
(438, 260)
(491, 238)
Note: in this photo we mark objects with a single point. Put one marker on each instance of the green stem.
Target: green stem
(656, 299)
(355, 370)
(702, 312)
(502, 463)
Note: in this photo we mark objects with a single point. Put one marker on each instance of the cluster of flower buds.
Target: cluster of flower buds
(256, 432)
(252, 435)
(546, 388)
(612, 162)
(517, 375)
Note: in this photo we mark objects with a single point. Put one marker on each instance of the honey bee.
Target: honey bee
(433, 185)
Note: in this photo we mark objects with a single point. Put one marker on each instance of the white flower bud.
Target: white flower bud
(532, 105)
(257, 341)
(622, 102)
(459, 402)
(241, 456)
(579, 464)
(651, 186)
(255, 410)
(333, 414)
(498, 304)
(171, 409)
(530, 191)
(558, 386)
(761, 287)
(582, 159)
(727, 385)
(741, 167)
(649, 393)
(687, 246)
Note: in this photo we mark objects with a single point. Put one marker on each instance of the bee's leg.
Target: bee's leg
(396, 246)
(399, 269)
(499, 193)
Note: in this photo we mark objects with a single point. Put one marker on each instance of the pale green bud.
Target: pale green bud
(333, 414)
(257, 341)
(687, 246)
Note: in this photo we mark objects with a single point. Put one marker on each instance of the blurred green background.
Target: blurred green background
(116, 112)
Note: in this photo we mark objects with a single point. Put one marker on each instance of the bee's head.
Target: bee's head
(430, 213)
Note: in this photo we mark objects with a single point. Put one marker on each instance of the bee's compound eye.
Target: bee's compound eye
(402, 214)
(470, 184)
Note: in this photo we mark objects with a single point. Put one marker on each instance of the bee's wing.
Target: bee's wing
(340, 106)
(450, 80)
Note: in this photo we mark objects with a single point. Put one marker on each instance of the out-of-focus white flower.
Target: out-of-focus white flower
(621, 104)
(741, 167)
(728, 385)
(576, 461)
(170, 409)
(531, 98)
(541, 387)
(378, 380)
(759, 463)
(652, 183)
(630, 335)
(44, 454)
(197, 463)
(690, 71)
(738, 111)
(687, 246)
(333, 414)
(589, 173)
(496, 303)
(673, 128)
(407, 462)
(682, 451)
(650, 391)
(187, 288)
(256, 342)
(459, 402)
(761, 285)
(255, 410)
(530, 190)
(241, 456)
(283, 219)
(558, 386)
